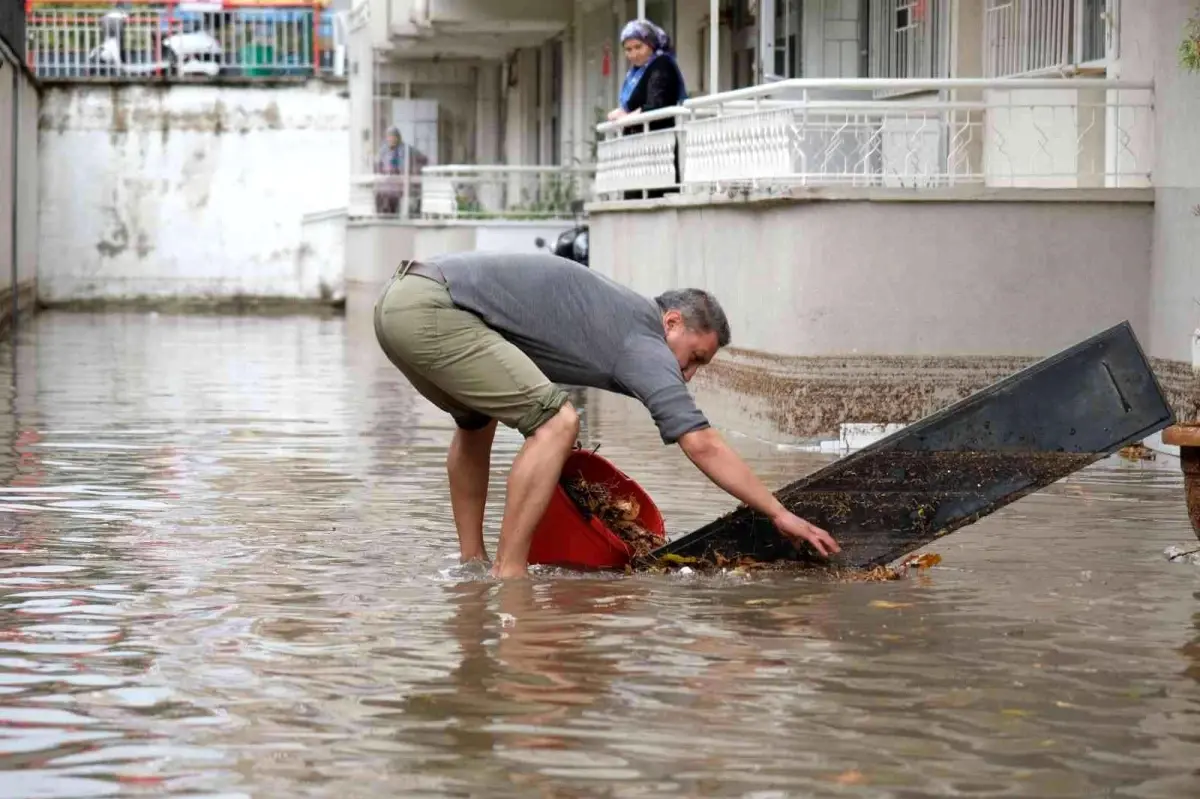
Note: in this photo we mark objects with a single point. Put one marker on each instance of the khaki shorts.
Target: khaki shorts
(457, 362)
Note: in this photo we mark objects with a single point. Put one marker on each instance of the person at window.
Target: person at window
(653, 81)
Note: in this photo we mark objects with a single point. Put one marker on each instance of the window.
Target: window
(1095, 18)
(789, 27)
(908, 38)
(1027, 37)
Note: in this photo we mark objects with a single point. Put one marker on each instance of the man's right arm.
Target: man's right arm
(717, 460)
(721, 464)
(649, 371)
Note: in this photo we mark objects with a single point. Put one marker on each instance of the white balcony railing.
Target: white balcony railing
(136, 40)
(636, 158)
(474, 191)
(1035, 133)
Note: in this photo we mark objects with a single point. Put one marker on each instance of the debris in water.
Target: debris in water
(852, 777)
(923, 561)
(1137, 452)
(671, 562)
(619, 514)
(886, 605)
(1180, 555)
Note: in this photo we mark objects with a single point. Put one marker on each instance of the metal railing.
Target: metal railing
(634, 157)
(473, 191)
(908, 38)
(138, 40)
(1037, 133)
(1029, 38)
(1023, 38)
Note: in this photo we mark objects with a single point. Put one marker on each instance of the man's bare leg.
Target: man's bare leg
(531, 483)
(468, 465)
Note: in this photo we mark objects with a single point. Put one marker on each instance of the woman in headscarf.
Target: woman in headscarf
(653, 81)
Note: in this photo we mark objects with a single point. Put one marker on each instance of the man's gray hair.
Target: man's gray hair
(700, 311)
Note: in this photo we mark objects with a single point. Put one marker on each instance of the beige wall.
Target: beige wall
(21, 191)
(850, 277)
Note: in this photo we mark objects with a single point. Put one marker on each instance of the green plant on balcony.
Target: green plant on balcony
(467, 204)
(1189, 48)
(554, 199)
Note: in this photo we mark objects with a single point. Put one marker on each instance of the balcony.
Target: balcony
(455, 207)
(473, 193)
(1011, 133)
(877, 241)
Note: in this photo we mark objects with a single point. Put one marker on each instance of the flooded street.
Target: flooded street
(227, 568)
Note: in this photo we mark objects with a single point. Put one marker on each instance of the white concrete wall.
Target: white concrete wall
(193, 192)
(1150, 34)
(830, 278)
(322, 252)
(23, 190)
(375, 248)
(516, 236)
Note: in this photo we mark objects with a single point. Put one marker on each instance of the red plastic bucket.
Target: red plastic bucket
(565, 538)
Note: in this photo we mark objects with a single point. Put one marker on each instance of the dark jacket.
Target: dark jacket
(660, 87)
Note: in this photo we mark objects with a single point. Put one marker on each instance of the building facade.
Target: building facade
(909, 195)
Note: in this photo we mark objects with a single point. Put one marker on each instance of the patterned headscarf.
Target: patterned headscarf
(646, 31)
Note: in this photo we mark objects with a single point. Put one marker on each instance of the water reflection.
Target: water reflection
(227, 568)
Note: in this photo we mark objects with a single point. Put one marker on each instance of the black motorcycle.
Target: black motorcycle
(573, 243)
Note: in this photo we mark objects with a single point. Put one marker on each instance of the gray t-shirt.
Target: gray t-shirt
(579, 327)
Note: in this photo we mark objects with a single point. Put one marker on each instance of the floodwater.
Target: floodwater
(227, 569)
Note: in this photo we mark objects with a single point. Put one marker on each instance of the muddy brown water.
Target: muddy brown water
(227, 569)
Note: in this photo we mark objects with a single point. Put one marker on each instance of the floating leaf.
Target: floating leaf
(679, 560)
(1137, 452)
(928, 560)
(851, 777)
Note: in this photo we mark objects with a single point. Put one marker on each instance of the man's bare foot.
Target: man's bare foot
(505, 572)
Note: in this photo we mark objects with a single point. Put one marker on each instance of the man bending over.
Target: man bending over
(489, 337)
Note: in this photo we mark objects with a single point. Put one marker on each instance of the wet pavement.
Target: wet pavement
(227, 569)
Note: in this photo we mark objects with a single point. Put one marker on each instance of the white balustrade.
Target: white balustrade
(1031, 133)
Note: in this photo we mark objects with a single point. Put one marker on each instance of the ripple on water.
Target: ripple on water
(229, 570)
